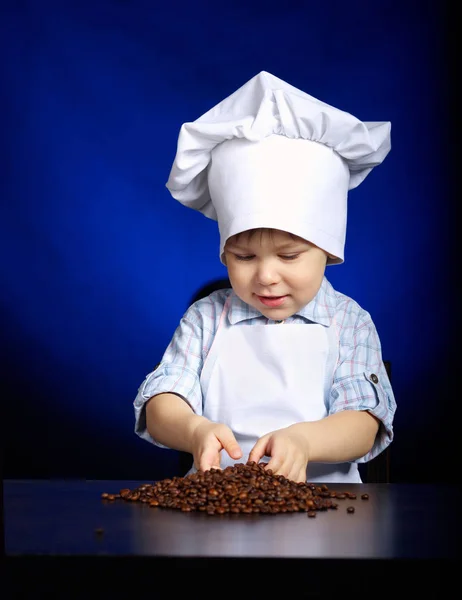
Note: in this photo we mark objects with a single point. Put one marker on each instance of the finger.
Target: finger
(276, 464)
(302, 475)
(229, 443)
(210, 459)
(296, 467)
(259, 450)
(278, 458)
(297, 473)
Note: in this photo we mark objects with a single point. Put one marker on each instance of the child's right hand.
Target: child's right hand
(208, 439)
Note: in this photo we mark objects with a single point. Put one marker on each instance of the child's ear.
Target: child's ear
(223, 259)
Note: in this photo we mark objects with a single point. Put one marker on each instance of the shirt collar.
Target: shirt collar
(320, 310)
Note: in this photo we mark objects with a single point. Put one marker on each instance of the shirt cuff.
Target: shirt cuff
(371, 394)
(165, 380)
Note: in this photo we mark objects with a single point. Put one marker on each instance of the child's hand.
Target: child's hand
(288, 451)
(208, 440)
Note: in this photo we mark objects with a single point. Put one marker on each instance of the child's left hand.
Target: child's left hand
(288, 451)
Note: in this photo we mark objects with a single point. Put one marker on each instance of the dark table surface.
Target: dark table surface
(401, 529)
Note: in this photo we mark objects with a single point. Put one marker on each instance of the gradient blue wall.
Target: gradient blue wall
(98, 263)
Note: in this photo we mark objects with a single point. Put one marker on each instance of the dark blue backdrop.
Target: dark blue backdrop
(98, 263)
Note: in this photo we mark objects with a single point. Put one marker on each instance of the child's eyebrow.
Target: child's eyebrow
(236, 245)
(291, 245)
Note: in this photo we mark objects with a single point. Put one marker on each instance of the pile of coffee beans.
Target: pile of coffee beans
(242, 488)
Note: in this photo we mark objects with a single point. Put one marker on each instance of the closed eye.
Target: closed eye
(241, 257)
(289, 256)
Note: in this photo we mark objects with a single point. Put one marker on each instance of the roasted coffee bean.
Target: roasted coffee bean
(365, 496)
(351, 509)
(243, 488)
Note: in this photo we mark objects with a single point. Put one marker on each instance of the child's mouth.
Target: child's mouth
(272, 301)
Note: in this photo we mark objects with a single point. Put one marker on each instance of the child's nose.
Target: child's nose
(267, 274)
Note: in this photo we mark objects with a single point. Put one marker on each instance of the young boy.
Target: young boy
(281, 368)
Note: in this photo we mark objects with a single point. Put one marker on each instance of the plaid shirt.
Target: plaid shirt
(360, 380)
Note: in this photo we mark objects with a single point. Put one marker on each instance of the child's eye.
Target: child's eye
(239, 257)
(289, 256)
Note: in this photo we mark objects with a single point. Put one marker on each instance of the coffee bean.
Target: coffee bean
(365, 496)
(351, 509)
(249, 488)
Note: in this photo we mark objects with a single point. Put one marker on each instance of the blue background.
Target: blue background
(98, 262)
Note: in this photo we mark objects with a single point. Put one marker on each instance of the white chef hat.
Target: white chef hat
(272, 156)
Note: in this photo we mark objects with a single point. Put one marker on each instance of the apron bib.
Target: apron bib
(260, 378)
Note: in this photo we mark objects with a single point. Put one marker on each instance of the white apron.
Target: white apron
(260, 378)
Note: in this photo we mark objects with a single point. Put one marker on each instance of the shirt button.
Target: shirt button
(374, 378)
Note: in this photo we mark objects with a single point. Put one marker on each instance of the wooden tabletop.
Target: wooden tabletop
(399, 524)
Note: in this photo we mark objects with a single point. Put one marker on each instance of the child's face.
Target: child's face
(274, 271)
